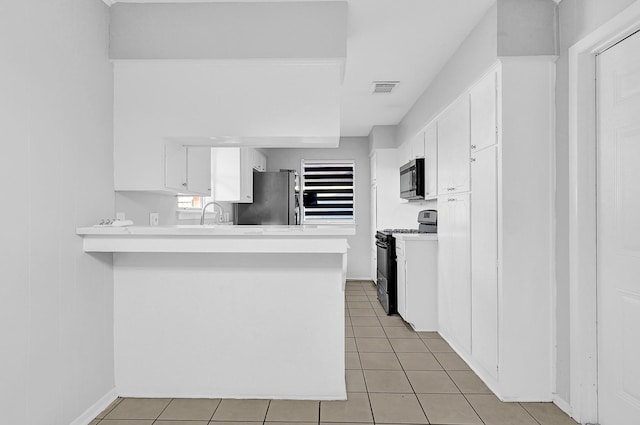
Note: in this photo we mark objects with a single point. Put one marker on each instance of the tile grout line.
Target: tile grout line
(160, 414)
(529, 413)
(215, 410)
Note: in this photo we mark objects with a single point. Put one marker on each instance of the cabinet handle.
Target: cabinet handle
(451, 200)
(473, 146)
(473, 160)
(248, 196)
(451, 189)
(184, 184)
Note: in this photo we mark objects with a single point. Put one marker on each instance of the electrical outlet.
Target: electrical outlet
(120, 216)
(154, 219)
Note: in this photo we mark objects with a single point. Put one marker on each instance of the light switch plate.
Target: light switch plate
(154, 219)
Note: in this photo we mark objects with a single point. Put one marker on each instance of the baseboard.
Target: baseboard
(562, 405)
(359, 278)
(97, 408)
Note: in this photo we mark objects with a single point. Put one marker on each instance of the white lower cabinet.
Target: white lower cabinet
(401, 273)
(417, 270)
(484, 259)
(454, 269)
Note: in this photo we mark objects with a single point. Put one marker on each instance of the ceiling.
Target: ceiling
(398, 40)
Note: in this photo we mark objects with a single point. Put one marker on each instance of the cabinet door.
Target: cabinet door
(431, 160)
(199, 170)
(401, 272)
(226, 174)
(453, 148)
(175, 167)
(484, 127)
(246, 175)
(454, 269)
(263, 162)
(484, 258)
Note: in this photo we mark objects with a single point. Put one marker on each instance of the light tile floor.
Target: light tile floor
(394, 376)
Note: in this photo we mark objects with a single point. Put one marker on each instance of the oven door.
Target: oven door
(382, 292)
(383, 259)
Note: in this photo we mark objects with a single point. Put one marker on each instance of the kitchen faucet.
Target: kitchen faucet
(215, 204)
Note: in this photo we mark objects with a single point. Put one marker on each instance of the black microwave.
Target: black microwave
(412, 179)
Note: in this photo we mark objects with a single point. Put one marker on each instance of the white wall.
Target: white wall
(138, 205)
(474, 56)
(356, 148)
(56, 302)
(577, 18)
(233, 30)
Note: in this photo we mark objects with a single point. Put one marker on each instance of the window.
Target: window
(327, 191)
(186, 202)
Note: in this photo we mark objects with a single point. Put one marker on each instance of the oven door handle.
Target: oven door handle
(382, 245)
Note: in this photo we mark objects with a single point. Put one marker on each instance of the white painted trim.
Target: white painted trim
(582, 209)
(97, 408)
(538, 58)
(562, 404)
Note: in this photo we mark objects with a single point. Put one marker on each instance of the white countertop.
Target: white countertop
(416, 236)
(218, 239)
(220, 230)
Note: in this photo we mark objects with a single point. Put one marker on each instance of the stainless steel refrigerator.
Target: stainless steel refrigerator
(275, 200)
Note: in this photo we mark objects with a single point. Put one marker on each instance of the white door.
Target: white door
(453, 148)
(484, 127)
(484, 258)
(454, 269)
(175, 167)
(199, 170)
(618, 265)
(401, 274)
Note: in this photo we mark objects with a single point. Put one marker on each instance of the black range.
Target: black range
(386, 259)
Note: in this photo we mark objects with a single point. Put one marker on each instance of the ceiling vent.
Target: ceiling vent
(384, 87)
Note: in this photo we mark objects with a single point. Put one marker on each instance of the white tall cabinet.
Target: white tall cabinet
(495, 203)
(454, 274)
(484, 259)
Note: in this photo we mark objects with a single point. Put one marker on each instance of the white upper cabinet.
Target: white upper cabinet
(187, 170)
(232, 174)
(453, 148)
(484, 125)
(258, 160)
(175, 167)
(431, 160)
(199, 170)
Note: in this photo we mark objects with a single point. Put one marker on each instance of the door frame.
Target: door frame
(582, 209)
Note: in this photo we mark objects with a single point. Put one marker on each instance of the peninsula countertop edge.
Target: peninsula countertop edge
(218, 239)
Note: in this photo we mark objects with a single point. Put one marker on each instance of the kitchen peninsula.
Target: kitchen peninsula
(227, 311)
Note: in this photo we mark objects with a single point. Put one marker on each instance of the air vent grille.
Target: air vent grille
(384, 87)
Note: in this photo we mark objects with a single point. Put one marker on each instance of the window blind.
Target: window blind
(327, 189)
